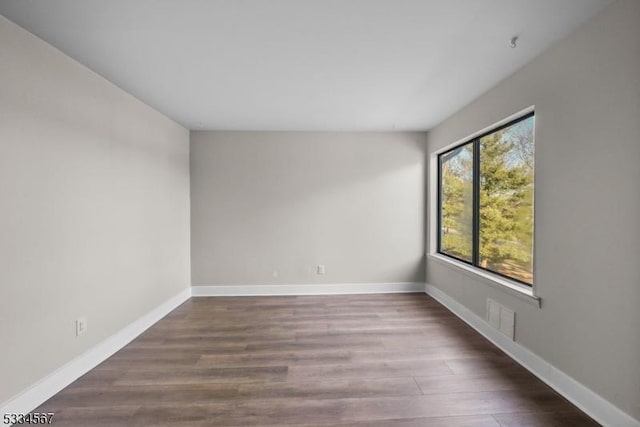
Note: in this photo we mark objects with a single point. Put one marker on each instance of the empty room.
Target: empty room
(320, 213)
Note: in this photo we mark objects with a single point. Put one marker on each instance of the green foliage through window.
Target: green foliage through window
(456, 232)
(486, 201)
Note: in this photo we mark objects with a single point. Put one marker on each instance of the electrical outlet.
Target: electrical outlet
(81, 326)
(321, 269)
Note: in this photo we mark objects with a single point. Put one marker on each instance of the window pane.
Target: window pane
(456, 192)
(506, 201)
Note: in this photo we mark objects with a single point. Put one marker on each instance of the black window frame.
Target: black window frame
(475, 243)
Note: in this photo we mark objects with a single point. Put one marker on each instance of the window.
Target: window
(485, 201)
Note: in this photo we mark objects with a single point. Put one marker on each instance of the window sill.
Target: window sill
(511, 287)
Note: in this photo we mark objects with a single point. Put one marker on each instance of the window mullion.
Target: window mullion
(476, 203)
(439, 241)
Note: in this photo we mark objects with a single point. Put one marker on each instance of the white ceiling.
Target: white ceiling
(302, 64)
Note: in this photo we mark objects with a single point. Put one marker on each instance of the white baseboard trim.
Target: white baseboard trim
(307, 289)
(588, 401)
(44, 389)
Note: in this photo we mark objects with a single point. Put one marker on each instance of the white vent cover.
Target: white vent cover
(501, 318)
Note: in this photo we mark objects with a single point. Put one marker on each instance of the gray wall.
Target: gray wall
(288, 201)
(586, 91)
(94, 208)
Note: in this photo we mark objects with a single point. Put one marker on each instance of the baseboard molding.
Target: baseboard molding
(307, 289)
(44, 389)
(591, 403)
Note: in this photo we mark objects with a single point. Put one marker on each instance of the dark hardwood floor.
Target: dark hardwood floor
(358, 360)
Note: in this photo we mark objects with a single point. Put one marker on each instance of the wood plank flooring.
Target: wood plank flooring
(357, 360)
